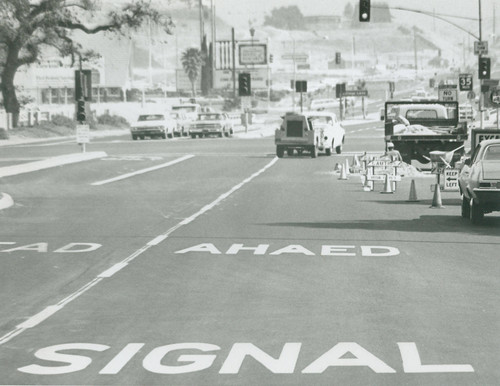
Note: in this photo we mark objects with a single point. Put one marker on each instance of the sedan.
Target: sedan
(153, 125)
(211, 124)
(479, 181)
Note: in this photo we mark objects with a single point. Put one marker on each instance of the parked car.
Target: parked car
(479, 181)
(310, 131)
(211, 123)
(182, 123)
(153, 125)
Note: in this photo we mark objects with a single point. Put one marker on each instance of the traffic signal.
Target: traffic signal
(81, 115)
(244, 84)
(338, 58)
(484, 67)
(364, 10)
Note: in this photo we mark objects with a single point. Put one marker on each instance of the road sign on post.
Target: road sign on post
(465, 82)
(480, 48)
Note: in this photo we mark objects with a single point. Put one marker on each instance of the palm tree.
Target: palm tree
(192, 60)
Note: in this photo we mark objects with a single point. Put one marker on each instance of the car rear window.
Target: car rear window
(492, 152)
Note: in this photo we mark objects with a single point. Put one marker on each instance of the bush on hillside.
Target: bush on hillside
(112, 120)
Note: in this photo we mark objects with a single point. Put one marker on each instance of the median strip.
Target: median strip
(142, 171)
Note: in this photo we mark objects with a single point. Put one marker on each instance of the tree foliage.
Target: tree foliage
(27, 26)
(289, 18)
(192, 60)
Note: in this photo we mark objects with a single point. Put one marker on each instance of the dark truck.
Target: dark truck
(417, 128)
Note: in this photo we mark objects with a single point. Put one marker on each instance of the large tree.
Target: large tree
(27, 26)
(289, 18)
(192, 60)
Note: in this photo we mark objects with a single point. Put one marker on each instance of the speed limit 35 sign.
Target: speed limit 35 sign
(465, 82)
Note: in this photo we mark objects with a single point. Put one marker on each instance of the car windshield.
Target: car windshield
(492, 152)
(151, 117)
(209, 117)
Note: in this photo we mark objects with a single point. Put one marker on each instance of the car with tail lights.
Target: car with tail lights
(311, 132)
(182, 123)
(479, 181)
(153, 125)
(211, 123)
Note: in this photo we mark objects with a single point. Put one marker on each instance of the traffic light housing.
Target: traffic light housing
(364, 10)
(81, 114)
(484, 67)
(244, 84)
(338, 57)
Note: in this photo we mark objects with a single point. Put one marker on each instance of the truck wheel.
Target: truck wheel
(329, 149)
(280, 151)
(476, 212)
(289, 152)
(314, 151)
(338, 149)
(465, 207)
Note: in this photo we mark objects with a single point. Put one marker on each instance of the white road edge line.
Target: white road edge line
(142, 171)
(51, 310)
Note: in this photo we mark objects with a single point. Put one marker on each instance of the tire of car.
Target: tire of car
(338, 149)
(465, 207)
(134, 137)
(164, 136)
(141, 136)
(289, 152)
(170, 135)
(314, 151)
(280, 151)
(476, 212)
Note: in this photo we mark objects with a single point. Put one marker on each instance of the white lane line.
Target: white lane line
(51, 310)
(40, 317)
(142, 171)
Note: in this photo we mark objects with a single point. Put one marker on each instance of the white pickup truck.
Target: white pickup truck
(309, 131)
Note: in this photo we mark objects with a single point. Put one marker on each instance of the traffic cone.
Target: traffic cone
(387, 185)
(346, 167)
(436, 200)
(343, 174)
(413, 192)
(355, 161)
(368, 185)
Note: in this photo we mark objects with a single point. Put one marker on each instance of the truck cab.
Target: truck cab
(311, 132)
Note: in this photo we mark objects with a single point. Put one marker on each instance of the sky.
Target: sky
(240, 11)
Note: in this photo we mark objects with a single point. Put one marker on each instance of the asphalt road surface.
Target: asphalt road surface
(212, 262)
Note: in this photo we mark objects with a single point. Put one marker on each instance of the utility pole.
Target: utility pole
(233, 53)
(202, 27)
(481, 95)
(415, 52)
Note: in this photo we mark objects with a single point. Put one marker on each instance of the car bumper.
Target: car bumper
(488, 197)
(147, 132)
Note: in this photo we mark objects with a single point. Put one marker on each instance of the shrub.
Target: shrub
(112, 120)
(61, 120)
(4, 134)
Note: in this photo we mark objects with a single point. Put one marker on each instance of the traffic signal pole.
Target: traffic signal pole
(481, 94)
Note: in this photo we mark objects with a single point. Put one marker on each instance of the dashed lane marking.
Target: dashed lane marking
(142, 171)
(52, 309)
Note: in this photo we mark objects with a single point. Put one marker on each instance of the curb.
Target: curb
(50, 163)
(6, 201)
